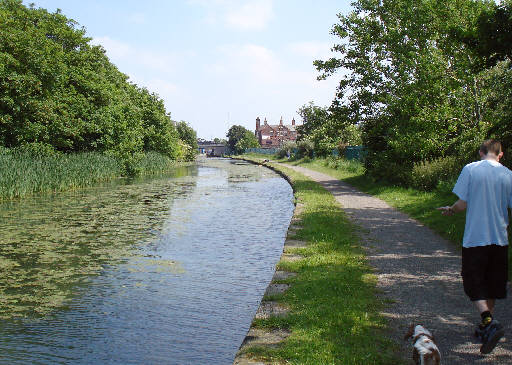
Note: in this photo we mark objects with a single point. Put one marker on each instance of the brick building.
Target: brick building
(273, 135)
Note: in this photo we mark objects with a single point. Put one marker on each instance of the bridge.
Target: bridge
(212, 149)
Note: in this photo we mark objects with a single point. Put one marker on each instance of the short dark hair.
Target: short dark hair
(492, 146)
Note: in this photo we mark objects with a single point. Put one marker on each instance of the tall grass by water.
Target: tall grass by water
(154, 163)
(23, 174)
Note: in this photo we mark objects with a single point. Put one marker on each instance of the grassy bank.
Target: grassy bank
(334, 308)
(23, 174)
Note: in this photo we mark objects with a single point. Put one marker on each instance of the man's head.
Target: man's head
(491, 149)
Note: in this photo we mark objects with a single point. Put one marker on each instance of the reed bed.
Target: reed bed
(23, 174)
(154, 163)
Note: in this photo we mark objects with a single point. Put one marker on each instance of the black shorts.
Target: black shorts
(485, 272)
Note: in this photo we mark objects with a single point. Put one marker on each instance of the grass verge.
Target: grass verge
(334, 306)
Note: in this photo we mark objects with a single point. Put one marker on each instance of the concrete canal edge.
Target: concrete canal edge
(257, 337)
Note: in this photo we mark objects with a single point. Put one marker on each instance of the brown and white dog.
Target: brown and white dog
(425, 351)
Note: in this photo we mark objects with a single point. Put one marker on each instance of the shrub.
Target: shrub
(286, 150)
(35, 149)
(341, 163)
(305, 148)
(428, 175)
(381, 166)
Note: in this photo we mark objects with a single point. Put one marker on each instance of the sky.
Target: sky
(217, 63)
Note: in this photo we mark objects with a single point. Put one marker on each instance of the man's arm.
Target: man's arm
(459, 206)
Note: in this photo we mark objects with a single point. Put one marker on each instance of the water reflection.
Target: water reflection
(166, 271)
(49, 244)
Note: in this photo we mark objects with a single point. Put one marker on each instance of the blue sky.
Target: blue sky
(217, 62)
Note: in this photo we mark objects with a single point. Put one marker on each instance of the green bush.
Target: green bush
(340, 163)
(305, 148)
(428, 175)
(154, 163)
(35, 149)
(286, 149)
(382, 166)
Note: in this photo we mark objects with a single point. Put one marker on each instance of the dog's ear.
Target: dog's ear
(415, 356)
(434, 358)
(409, 332)
(437, 357)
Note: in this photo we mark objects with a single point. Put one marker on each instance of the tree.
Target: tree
(220, 141)
(313, 118)
(491, 38)
(240, 138)
(327, 128)
(189, 137)
(406, 79)
(60, 92)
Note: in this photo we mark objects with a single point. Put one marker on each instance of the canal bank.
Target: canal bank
(321, 305)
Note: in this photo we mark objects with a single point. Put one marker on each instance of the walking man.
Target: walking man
(484, 189)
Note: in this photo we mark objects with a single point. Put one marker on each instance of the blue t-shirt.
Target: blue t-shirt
(486, 186)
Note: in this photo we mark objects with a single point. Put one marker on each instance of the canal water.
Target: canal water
(168, 270)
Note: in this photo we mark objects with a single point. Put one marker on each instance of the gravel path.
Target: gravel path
(420, 272)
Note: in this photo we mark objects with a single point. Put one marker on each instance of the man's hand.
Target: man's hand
(448, 210)
(459, 206)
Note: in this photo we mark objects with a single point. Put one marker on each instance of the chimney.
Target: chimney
(293, 121)
(258, 124)
(265, 121)
(281, 121)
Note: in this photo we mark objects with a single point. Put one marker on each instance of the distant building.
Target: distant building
(273, 135)
(210, 148)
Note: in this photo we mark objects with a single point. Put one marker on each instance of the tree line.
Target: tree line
(60, 93)
(423, 81)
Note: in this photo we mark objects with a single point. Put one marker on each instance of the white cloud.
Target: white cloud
(249, 62)
(129, 57)
(252, 15)
(163, 88)
(115, 49)
(244, 15)
(261, 66)
(311, 49)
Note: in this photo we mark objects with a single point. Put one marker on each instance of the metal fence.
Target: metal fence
(264, 151)
(355, 152)
(350, 152)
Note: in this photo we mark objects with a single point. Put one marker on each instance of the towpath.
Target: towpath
(420, 272)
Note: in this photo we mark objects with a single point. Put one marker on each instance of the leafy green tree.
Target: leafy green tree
(327, 128)
(58, 91)
(220, 141)
(491, 38)
(313, 118)
(189, 137)
(407, 81)
(240, 138)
